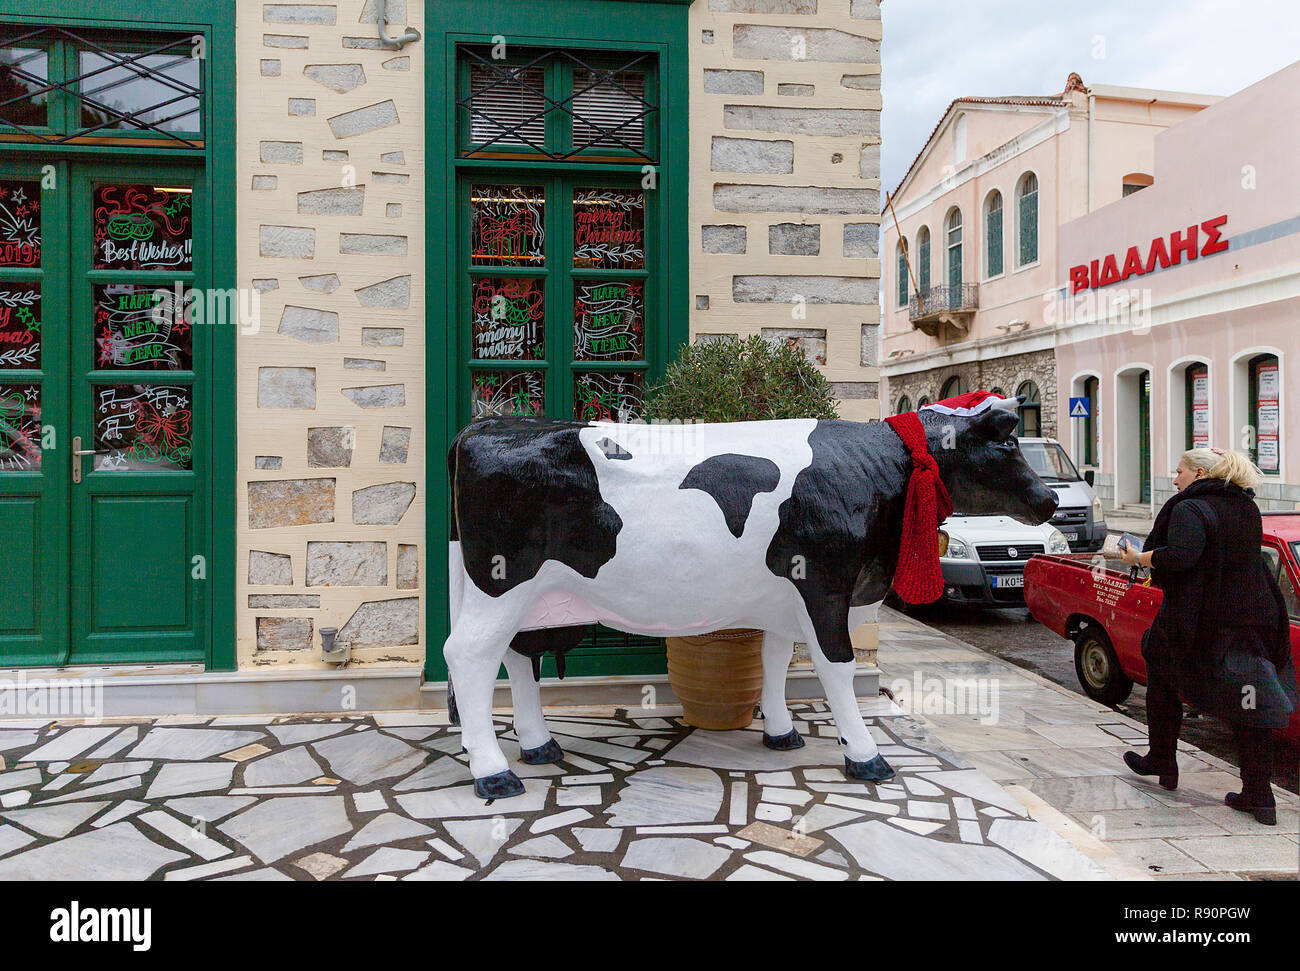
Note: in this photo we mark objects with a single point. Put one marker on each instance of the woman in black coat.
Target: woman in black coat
(1221, 638)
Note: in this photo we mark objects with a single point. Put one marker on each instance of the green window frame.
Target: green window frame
(1028, 219)
(993, 235)
(1190, 373)
(1031, 412)
(74, 88)
(923, 260)
(1090, 386)
(595, 28)
(901, 270)
(61, 142)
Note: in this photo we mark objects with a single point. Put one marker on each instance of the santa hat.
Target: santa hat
(966, 405)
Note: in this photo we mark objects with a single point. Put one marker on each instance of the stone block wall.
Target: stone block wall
(331, 388)
(1007, 373)
(785, 181)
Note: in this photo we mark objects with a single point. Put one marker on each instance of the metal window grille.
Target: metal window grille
(609, 106)
(902, 273)
(157, 89)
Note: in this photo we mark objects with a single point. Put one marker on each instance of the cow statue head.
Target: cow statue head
(972, 438)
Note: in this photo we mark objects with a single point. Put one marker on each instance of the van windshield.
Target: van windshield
(1049, 461)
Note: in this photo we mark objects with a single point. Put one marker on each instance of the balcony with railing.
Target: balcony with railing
(944, 312)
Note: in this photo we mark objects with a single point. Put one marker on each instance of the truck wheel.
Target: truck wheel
(1098, 668)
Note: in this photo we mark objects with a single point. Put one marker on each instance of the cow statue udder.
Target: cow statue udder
(791, 527)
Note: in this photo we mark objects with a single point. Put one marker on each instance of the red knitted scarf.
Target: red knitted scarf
(918, 578)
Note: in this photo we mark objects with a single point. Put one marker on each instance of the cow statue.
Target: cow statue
(792, 527)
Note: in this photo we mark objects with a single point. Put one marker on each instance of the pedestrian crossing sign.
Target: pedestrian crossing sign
(1079, 408)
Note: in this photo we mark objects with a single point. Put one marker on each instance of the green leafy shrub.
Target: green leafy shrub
(730, 379)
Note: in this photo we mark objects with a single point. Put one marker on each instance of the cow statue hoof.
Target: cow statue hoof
(503, 785)
(783, 743)
(543, 754)
(873, 770)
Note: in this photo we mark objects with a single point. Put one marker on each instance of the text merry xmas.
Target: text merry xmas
(1162, 252)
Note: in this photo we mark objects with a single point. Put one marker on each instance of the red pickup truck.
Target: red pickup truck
(1089, 598)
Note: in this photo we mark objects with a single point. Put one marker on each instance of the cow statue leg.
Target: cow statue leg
(831, 648)
(474, 653)
(862, 759)
(778, 730)
(536, 746)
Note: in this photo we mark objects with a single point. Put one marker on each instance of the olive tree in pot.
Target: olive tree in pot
(719, 676)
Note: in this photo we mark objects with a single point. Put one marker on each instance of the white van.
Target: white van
(1078, 512)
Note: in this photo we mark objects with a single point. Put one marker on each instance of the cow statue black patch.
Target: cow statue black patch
(733, 481)
(534, 496)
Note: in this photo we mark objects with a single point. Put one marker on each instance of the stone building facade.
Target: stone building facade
(1004, 374)
(414, 233)
(335, 459)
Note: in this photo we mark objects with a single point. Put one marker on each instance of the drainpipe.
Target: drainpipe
(1092, 107)
(381, 17)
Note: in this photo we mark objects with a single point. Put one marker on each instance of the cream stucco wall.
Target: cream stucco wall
(785, 133)
(321, 106)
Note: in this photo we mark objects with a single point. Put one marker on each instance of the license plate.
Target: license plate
(1071, 536)
(1009, 581)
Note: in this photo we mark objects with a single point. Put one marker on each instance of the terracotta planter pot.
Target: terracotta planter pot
(718, 677)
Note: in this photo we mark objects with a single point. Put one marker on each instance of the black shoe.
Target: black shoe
(1143, 765)
(1262, 813)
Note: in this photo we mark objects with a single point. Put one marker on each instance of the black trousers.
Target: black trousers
(1165, 720)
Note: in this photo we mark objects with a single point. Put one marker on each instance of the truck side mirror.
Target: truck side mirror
(1089, 475)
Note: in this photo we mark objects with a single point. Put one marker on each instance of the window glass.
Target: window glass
(609, 396)
(507, 225)
(993, 235)
(608, 320)
(124, 89)
(20, 428)
(508, 318)
(1029, 220)
(901, 270)
(509, 393)
(1049, 461)
(142, 427)
(608, 229)
(140, 326)
(1273, 563)
(23, 70)
(20, 223)
(609, 109)
(143, 227)
(507, 104)
(20, 326)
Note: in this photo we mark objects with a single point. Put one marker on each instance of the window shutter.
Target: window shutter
(612, 113)
(506, 105)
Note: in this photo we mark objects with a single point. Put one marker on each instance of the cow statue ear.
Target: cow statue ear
(997, 424)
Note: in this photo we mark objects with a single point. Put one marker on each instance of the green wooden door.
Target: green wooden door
(33, 414)
(114, 567)
(1144, 436)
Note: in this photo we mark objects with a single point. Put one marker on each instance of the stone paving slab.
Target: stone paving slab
(1067, 750)
(388, 796)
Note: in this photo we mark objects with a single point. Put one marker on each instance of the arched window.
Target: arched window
(1136, 182)
(923, 402)
(901, 270)
(904, 405)
(993, 234)
(1196, 405)
(953, 278)
(923, 260)
(954, 386)
(998, 391)
(1027, 203)
(1031, 412)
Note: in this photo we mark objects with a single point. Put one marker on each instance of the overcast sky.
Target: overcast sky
(938, 50)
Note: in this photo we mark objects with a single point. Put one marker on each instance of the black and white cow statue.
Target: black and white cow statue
(791, 527)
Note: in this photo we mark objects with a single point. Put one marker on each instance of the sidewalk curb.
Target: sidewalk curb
(1078, 837)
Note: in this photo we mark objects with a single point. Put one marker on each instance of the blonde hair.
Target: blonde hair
(1220, 463)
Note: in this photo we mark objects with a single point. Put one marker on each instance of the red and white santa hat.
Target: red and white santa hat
(970, 404)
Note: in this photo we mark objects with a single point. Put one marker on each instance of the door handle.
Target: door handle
(77, 453)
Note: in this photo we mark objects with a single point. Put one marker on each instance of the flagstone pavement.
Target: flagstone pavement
(388, 796)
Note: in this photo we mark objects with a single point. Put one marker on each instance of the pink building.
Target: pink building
(979, 211)
(1178, 316)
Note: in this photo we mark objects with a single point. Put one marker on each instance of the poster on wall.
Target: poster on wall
(1200, 409)
(1267, 416)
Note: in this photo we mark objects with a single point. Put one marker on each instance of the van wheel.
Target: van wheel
(1098, 668)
